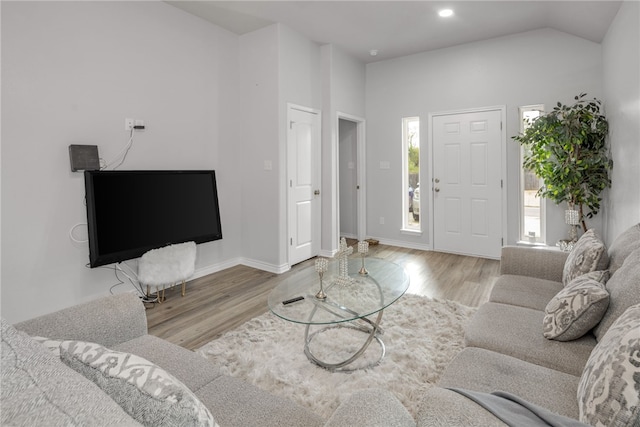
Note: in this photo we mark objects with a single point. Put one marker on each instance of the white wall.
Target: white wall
(537, 67)
(258, 141)
(71, 73)
(343, 90)
(621, 75)
(300, 83)
(277, 66)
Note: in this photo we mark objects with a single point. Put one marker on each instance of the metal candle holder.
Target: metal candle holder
(322, 264)
(363, 248)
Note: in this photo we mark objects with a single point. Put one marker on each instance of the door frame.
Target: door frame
(503, 162)
(317, 235)
(361, 201)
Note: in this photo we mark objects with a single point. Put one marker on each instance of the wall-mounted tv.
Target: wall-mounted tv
(131, 212)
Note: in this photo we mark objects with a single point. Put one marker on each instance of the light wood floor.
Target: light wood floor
(221, 301)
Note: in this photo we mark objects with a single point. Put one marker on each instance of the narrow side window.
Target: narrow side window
(412, 213)
(532, 227)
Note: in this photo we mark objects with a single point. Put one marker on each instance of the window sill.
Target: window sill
(527, 243)
(411, 232)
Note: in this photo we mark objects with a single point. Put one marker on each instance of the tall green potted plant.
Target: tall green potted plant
(567, 149)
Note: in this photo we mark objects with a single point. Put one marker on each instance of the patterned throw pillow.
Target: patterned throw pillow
(577, 308)
(145, 391)
(589, 254)
(609, 389)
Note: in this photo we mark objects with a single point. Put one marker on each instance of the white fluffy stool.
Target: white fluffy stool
(167, 266)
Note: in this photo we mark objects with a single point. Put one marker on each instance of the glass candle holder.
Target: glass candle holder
(322, 264)
(363, 248)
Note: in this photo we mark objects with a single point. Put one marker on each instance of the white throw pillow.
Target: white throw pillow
(145, 391)
(589, 254)
(577, 308)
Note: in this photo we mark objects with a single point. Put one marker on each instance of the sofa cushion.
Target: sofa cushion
(589, 254)
(37, 389)
(371, 408)
(541, 262)
(609, 389)
(516, 331)
(443, 407)
(524, 291)
(624, 291)
(577, 308)
(190, 368)
(237, 403)
(145, 391)
(622, 246)
(487, 371)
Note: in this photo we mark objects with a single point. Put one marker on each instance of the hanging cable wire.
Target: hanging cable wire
(72, 237)
(123, 153)
(147, 299)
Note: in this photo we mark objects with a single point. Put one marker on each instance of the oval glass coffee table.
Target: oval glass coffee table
(346, 304)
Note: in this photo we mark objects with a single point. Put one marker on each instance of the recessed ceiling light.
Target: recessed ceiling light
(445, 13)
(373, 52)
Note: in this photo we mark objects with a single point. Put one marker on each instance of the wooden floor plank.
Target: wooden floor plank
(224, 300)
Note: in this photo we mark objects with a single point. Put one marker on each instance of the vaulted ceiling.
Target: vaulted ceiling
(399, 28)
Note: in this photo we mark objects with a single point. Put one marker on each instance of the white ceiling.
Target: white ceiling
(399, 28)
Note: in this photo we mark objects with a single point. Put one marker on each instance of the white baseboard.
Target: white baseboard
(404, 244)
(210, 269)
(260, 265)
(328, 254)
(282, 268)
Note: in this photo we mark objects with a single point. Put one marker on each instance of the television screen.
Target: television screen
(132, 212)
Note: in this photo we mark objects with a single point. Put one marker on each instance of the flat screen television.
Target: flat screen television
(132, 212)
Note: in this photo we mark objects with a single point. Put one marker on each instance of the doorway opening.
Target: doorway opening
(350, 168)
(348, 172)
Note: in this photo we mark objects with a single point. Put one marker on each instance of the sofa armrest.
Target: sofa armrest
(108, 321)
(541, 263)
(371, 408)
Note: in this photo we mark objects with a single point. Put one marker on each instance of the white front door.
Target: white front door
(303, 158)
(467, 183)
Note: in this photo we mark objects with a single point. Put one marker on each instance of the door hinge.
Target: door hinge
(290, 183)
(500, 125)
(501, 182)
(291, 241)
(502, 241)
(292, 122)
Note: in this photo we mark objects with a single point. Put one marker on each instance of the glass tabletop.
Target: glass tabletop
(365, 295)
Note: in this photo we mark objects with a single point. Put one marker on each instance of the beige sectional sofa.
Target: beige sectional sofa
(38, 389)
(506, 350)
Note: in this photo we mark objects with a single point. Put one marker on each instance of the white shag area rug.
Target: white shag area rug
(421, 336)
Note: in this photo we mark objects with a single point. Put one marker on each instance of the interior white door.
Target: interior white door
(467, 183)
(303, 158)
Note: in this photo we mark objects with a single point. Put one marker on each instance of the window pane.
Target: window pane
(411, 209)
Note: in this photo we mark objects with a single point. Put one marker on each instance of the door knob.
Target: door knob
(437, 190)
(437, 180)
(316, 192)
